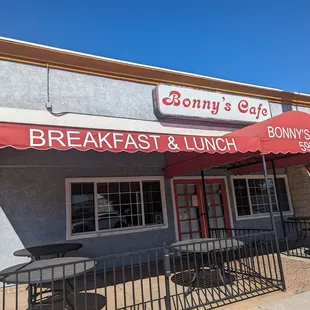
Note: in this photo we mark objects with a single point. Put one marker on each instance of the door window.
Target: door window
(192, 221)
(188, 201)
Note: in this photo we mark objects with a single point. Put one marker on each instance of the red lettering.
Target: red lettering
(196, 101)
(258, 110)
(186, 102)
(173, 99)
(215, 107)
(252, 110)
(264, 112)
(243, 106)
(227, 107)
(206, 104)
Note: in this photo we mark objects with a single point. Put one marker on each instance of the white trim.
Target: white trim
(68, 209)
(163, 202)
(229, 203)
(174, 206)
(116, 232)
(207, 177)
(96, 207)
(131, 63)
(120, 231)
(256, 176)
(259, 216)
(249, 195)
(37, 117)
(290, 201)
(265, 216)
(197, 178)
(118, 179)
(142, 203)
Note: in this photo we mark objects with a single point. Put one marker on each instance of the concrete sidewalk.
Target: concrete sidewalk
(299, 301)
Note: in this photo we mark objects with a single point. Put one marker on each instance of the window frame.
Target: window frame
(255, 216)
(100, 233)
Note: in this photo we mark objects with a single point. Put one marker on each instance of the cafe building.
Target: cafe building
(122, 157)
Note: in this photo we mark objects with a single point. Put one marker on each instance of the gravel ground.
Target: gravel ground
(297, 279)
(297, 274)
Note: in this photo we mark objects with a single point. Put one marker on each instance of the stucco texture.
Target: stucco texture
(33, 202)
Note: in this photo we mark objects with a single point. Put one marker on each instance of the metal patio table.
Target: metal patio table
(207, 249)
(46, 271)
(58, 249)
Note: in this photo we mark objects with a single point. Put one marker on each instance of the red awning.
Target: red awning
(287, 133)
(42, 137)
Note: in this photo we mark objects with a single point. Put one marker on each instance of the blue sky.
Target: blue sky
(260, 42)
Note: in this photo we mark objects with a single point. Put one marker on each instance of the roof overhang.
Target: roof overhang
(40, 55)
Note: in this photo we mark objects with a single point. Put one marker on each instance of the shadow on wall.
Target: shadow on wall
(34, 206)
(10, 241)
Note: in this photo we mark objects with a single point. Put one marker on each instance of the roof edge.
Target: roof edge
(41, 55)
(40, 46)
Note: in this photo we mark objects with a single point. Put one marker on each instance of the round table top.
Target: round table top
(206, 245)
(48, 249)
(24, 273)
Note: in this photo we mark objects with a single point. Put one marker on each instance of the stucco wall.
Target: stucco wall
(32, 200)
(299, 180)
(30, 87)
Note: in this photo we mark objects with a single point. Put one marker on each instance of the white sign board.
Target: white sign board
(179, 102)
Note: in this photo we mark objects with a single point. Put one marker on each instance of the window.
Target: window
(106, 205)
(251, 195)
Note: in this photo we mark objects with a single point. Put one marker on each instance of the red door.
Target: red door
(191, 213)
(217, 204)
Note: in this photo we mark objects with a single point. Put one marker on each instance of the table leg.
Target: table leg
(222, 276)
(69, 303)
(72, 288)
(30, 297)
(194, 278)
(70, 285)
(190, 288)
(219, 268)
(35, 294)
